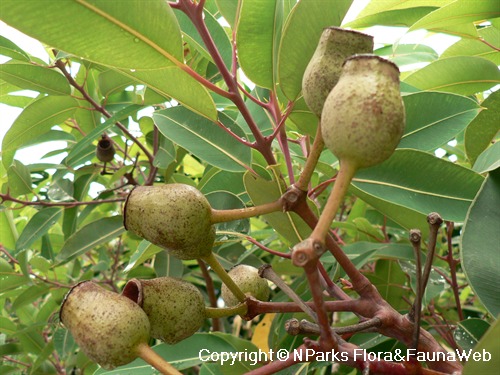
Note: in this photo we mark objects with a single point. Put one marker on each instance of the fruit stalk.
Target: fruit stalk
(226, 279)
(221, 216)
(344, 178)
(214, 312)
(151, 357)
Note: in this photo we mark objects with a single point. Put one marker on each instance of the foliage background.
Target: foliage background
(143, 74)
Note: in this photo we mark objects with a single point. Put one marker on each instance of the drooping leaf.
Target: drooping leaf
(469, 332)
(19, 179)
(146, 250)
(39, 224)
(204, 138)
(259, 29)
(10, 49)
(482, 129)
(35, 120)
(489, 159)
(456, 14)
(445, 116)
(479, 243)
(480, 47)
(301, 34)
(34, 77)
(405, 54)
(90, 236)
(287, 224)
(411, 184)
(464, 75)
(489, 344)
(144, 41)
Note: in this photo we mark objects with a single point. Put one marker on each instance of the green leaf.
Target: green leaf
(464, 75)
(166, 264)
(287, 224)
(146, 250)
(478, 46)
(204, 138)
(445, 116)
(389, 280)
(405, 54)
(90, 236)
(457, 13)
(391, 17)
(489, 344)
(174, 82)
(469, 332)
(259, 28)
(29, 295)
(147, 48)
(411, 184)
(301, 34)
(107, 32)
(482, 129)
(8, 231)
(225, 200)
(84, 149)
(19, 179)
(479, 243)
(489, 159)
(34, 77)
(38, 225)
(193, 351)
(10, 49)
(35, 120)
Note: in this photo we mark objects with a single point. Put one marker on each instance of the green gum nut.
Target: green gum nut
(107, 327)
(324, 68)
(363, 118)
(176, 217)
(175, 308)
(248, 280)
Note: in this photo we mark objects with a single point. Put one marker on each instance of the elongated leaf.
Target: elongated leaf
(483, 128)
(19, 179)
(465, 75)
(9, 48)
(107, 32)
(8, 231)
(458, 13)
(90, 236)
(39, 224)
(389, 279)
(411, 184)
(134, 38)
(258, 31)
(204, 138)
(84, 150)
(469, 332)
(445, 116)
(393, 17)
(489, 159)
(300, 37)
(287, 224)
(480, 239)
(404, 54)
(33, 77)
(491, 345)
(146, 250)
(35, 120)
(477, 47)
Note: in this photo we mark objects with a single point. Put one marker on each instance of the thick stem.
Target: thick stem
(222, 216)
(151, 357)
(223, 275)
(453, 269)
(344, 178)
(215, 313)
